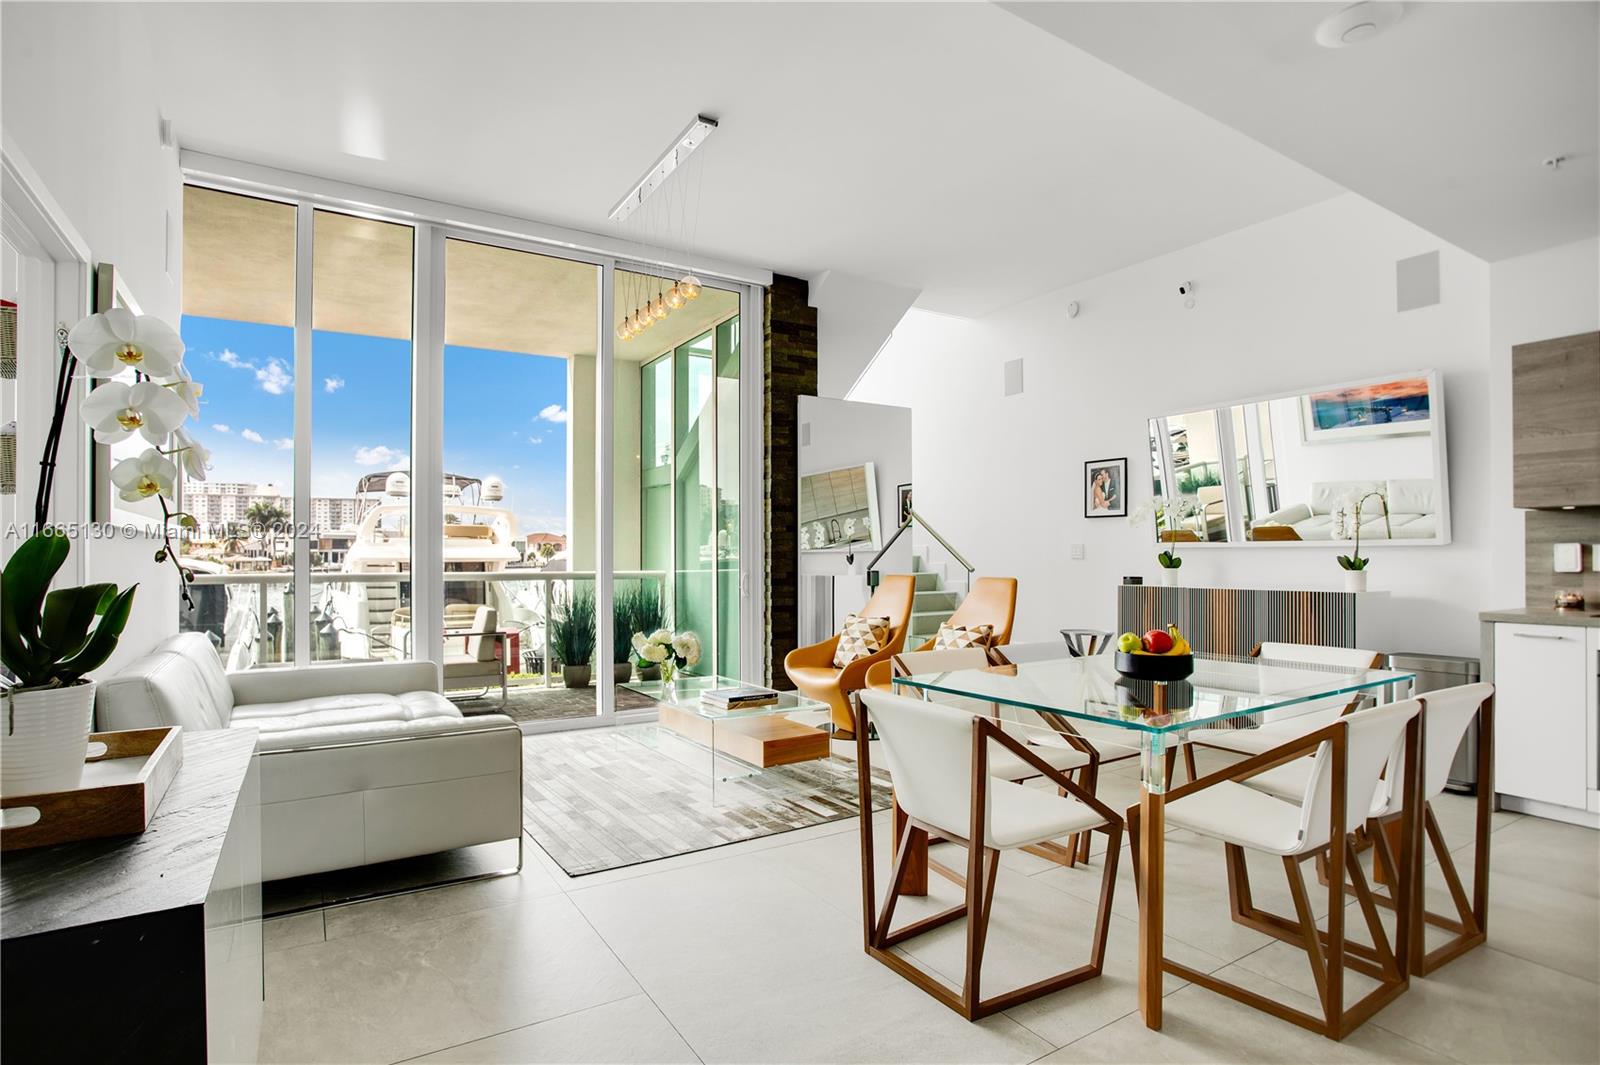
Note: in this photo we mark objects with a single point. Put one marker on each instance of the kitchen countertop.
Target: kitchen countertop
(1588, 617)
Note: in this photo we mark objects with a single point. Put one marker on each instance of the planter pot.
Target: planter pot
(1169, 577)
(575, 676)
(649, 672)
(621, 672)
(1355, 580)
(44, 738)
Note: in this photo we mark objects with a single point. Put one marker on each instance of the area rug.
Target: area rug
(604, 798)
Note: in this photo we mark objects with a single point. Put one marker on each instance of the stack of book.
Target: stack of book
(745, 697)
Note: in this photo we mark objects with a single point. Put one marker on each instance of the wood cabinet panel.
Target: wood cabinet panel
(1555, 422)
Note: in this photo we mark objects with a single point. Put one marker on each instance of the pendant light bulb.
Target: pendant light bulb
(689, 285)
(675, 298)
(658, 309)
(622, 330)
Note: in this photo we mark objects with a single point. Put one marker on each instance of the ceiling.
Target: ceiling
(238, 260)
(950, 148)
(1445, 118)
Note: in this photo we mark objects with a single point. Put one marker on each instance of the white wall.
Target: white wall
(843, 434)
(1300, 300)
(80, 109)
(1552, 293)
(854, 318)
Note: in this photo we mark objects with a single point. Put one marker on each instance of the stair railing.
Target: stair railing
(874, 577)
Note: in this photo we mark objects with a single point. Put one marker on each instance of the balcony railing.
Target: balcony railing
(366, 616)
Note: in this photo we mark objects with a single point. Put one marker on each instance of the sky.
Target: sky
(505, 413)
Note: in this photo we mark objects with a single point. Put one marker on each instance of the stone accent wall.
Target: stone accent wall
(789, 371)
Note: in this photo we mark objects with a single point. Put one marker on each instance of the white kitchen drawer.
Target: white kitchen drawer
(1543, 679)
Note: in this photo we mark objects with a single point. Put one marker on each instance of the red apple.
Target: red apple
(1157, 642)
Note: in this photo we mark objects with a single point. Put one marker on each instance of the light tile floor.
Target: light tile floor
(753, 953)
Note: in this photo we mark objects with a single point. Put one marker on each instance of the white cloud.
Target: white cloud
(274, 378)
(284, 443)
(554, 413)
(252, 436)
(535, 439)
(380, 455)
(332, 384)
(231, 358)
(219, 427)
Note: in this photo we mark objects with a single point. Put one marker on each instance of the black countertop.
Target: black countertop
(169, 865)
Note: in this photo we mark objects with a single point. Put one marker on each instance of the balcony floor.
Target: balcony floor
(534, 702)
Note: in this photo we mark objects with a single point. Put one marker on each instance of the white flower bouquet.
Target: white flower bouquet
(670, 652)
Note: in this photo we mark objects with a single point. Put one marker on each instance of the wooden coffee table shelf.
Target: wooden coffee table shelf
(763, 742)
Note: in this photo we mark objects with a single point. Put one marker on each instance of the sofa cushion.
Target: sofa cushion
(180, 682)
(346, 718)
(1327, 496)
(1412, 495)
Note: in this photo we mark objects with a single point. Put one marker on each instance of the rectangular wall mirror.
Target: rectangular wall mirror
(839, 509)
(1300, 468)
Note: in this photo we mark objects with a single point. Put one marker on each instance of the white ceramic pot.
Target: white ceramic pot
(1169, 577)
(1355, 580)
(44, 738)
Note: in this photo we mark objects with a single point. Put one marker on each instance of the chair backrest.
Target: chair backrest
(928, 748)
(1446, 715)
(483, 648)
(1372, 738)
(992, 601)
(1274, 532)
(1018, 653)
(1086, 643)
(1317, 655)
(896, 592)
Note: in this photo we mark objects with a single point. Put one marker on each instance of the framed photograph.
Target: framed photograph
(902, 498)
(1401, 407)
(1105, 488)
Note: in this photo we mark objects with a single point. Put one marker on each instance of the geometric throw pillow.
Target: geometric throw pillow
(951, 637)
(860, 637)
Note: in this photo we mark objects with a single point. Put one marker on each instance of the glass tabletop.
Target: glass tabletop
(1221, 689)
(684, 693)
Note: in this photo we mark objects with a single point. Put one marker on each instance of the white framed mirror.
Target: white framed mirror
(1305, 468)
(839, 509)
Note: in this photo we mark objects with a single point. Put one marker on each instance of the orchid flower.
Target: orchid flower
(116, 409)
(187, 389)
(151, 473)
(117, 340)
(195, 456)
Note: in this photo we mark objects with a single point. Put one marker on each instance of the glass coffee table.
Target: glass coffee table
(740, 742)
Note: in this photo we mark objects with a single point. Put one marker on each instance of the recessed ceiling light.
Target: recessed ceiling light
(1358, 23)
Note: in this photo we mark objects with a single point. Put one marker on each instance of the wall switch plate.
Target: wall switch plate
(1594, 557)
(1077, 551)
(1569, 558)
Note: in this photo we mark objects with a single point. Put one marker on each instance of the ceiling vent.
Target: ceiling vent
(1358, 24)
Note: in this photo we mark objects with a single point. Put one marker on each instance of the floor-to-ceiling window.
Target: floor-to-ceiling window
(338, 345)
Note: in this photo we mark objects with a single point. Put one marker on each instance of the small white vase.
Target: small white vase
(1169, 577)
(1355, 580)
(44, 738)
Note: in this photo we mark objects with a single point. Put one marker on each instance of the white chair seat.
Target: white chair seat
(1290, 780)
(1231, 812)
(1008, 766)
(1019, 816)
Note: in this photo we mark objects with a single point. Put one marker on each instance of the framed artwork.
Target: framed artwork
(1105, 488)
(902, 495)
(1401, 407)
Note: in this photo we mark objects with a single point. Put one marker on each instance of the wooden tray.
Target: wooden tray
(122, 786)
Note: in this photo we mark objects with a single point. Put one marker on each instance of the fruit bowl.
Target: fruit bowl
(1154, 667)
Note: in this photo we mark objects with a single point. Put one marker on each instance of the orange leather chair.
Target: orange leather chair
(992, 601)
(812, 669)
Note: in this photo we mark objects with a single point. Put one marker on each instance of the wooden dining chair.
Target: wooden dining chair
(940, 759)
(1346, 782)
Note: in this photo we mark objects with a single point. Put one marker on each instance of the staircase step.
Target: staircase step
(927, 582)
(936, 599)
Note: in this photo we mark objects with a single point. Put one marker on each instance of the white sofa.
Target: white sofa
(359, 763)
(1413, 510)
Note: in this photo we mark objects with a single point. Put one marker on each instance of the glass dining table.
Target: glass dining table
(1088, 696)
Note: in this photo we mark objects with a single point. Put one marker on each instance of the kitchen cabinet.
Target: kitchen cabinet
(1547, 736)
(1555, 435)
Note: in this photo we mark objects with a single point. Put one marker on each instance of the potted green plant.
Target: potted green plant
(1355, 566)
(49, 640)
(622, 612)
(648, 616)
(1169, 520)
(572, 638)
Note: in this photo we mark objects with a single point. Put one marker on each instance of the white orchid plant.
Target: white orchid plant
(1347, 519)
(1170, 517)
(666, 649)
(154, 406)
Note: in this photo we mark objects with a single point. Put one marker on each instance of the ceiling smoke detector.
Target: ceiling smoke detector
(1358, 23)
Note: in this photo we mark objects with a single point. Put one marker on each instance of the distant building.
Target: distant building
(218, 504)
